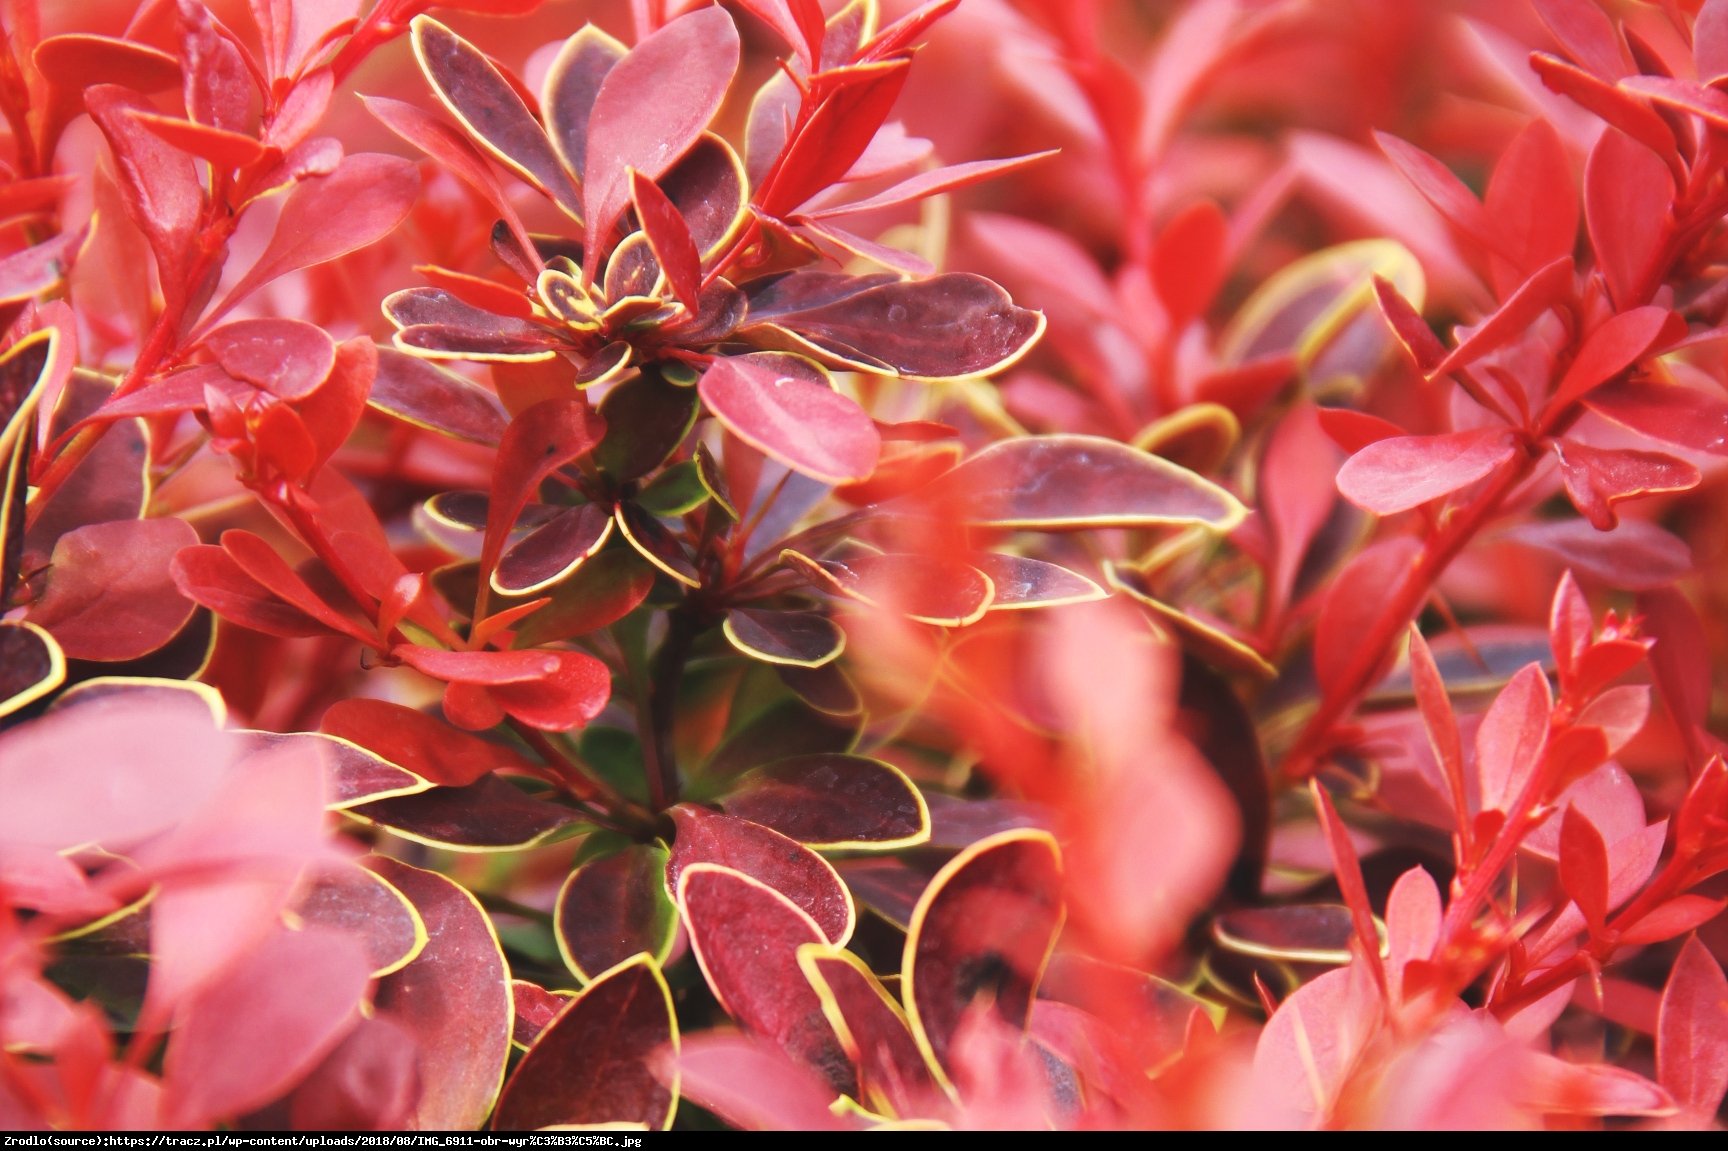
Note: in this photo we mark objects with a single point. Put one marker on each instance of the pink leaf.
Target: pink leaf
(785, 407)
(1584, 867)
(1546, 288)
(298, 989)
(1510, 741)
(1598, 478)
(1395, 475)
(1533, 200)
(1692, 1033)
(1608, 351)
(1353, 603)
(652, 106)
(751, 1084)
(931, 183)
(1587, 34)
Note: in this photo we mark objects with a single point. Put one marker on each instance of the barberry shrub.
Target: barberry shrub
(862, 565)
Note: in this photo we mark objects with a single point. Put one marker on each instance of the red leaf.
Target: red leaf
(931, 183)
(287, 358)
(1449, 195)
(1510, 741)
(1533, 200)
(613, 907)
(488, 106)
(799, 23)
(602, 591)
(1297, 495)
(539, 441)
(1627, 193)
(1670, 920)
(260, 561)
(1347, 869)
(329, 216)
(1692, 1033)
(1070, 482)
(1547, 287)
(801, 639)
(217, 86)
(110, 593)
(225, 151)
(370, 1082)
(416, 741)
(1671, 413)
(653, 105)
(785, 407)
(163, 194)
(554, 551)
(1188, 261)
(833, 138)
(746, 937)
(833, 802)
(332, 411)
(1414, 918)
(1395, 475)
(299, 988)
(763, 855)
(1353, 603)
(1710, 40)
(983, 930)
(592, 1065)
(669, 237)
(454, 999)
(1598, 478)
(208, 576)
(1440, 722)
(1353, 430)
(1587, 34)
(1425, 349)
(1680, 660)
(1584, 867)
(1622, 109)
(1608, 351)
(549, 690)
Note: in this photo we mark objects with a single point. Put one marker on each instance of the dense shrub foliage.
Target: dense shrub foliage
(834, 565)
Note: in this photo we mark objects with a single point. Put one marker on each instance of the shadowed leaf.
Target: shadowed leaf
(893, 1077)
(592, 1064)
(613, 907)
(833, 802)
(804, 639)
(929, 589)
(488, 815)
(31, 664)
(766, 856)
(363, 905)
(110, 595)
(425, 395)
(553, 551)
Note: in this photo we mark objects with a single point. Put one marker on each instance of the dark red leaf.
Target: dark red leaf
(31, 665)
(614, 907)
(300, 988)
(1627, 192)
(541, 440)
(650, 109)
(346, 897)
(423, 394)
(572, 82)
(110, 594)
(786, 407)
(945, 327)
(762, 855)
(1020, 582)
(369, 1082)
(1395, 475)
(652, 540)
(647, 418)
(208, 576)
(1292, 933)
(1070, 482)
(553, 552)
(983, 930)
(892, 1075)
(708, 187)
(487, 815)
(1598, 478)
(806, 639)
(329, 216)
(746, 936)
(488, 106)
(929, 589)
(454, 999)
(1692, 1033)
(1636, 555)
(602, 591)
(832, 801)
(592, 1065)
